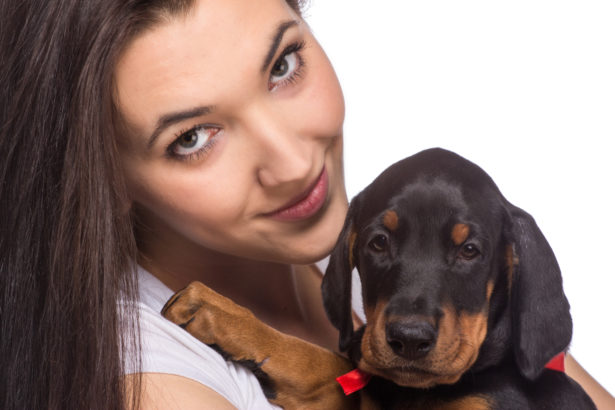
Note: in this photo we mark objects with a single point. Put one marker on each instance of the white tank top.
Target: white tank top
(167, 348)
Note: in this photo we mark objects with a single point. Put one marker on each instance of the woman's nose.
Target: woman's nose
(283, 155)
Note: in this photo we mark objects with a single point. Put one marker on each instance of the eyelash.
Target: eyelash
(170, 151)
(295, 47)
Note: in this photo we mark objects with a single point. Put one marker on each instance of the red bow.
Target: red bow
(557, 363)
(353, 381)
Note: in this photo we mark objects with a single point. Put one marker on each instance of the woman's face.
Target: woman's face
(234, 133)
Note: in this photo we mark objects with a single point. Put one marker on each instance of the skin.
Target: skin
(265, 138)
(268, 146)
(269, 140)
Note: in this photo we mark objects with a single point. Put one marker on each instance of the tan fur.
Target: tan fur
(476, 402)
(467, 403)
(490, 286)
(390, 220)
(215, 319)
(374, 347)
(459, 339)
(460, 233)
(351, 240)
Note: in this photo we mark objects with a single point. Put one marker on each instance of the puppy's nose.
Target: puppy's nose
(411, 339)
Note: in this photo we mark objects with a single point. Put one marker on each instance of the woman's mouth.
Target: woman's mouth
(307, 203)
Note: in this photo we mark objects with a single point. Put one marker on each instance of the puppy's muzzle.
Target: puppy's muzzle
(411, 339)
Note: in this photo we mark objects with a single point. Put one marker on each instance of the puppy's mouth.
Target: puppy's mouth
(454, 351)
(410, 375)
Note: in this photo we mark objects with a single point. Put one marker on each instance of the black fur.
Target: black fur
(528, 320)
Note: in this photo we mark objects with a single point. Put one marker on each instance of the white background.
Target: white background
(525, 89)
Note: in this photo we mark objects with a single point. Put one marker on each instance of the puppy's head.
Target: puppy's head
(443, 259)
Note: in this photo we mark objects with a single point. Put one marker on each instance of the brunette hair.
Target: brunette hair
(67, 248)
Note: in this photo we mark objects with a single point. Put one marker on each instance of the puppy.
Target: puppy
(462, 294)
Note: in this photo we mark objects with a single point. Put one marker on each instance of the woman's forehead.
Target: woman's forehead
(210, 48)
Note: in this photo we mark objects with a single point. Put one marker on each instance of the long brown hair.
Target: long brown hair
(67, 249)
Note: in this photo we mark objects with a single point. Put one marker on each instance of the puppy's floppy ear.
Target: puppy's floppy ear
(337, 283)
(541, 321)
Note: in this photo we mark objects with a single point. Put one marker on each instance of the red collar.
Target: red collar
(357, 379)
(353, 381)
(557, 363)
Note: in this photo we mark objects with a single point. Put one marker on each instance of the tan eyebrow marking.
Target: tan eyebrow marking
(390, 220)
(460, 233)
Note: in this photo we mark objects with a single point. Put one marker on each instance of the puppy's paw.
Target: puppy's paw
(207, 315)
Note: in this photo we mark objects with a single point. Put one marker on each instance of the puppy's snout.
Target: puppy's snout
(411, 339)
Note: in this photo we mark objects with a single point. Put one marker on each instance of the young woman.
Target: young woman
(146, 144)
(165, 134)
(229, 150)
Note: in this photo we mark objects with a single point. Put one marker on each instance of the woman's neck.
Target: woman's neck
(268, 289)
(281, 295)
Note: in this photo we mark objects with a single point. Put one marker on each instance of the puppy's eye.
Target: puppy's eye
(379, 243)
(469, 251)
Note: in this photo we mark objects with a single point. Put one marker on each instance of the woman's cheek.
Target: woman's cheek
(176, 197)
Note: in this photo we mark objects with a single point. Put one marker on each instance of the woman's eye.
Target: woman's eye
(287, 64)
(287, 68)
(192, 142)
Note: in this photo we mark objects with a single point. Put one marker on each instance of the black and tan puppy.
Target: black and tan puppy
(462, 293)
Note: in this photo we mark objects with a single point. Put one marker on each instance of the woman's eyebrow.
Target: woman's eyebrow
(169, 119)
(175, 117)
(275, 43)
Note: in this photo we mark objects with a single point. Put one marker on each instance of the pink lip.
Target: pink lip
(307, 204)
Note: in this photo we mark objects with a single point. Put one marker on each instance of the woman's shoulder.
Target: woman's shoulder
(166, 348)
(170, 391)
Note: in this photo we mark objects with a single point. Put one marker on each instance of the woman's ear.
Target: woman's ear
(541, 321)
(337, 282)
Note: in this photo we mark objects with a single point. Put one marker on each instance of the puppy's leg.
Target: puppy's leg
(295, 374)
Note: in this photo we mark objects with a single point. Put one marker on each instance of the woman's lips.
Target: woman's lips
(306, 204)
